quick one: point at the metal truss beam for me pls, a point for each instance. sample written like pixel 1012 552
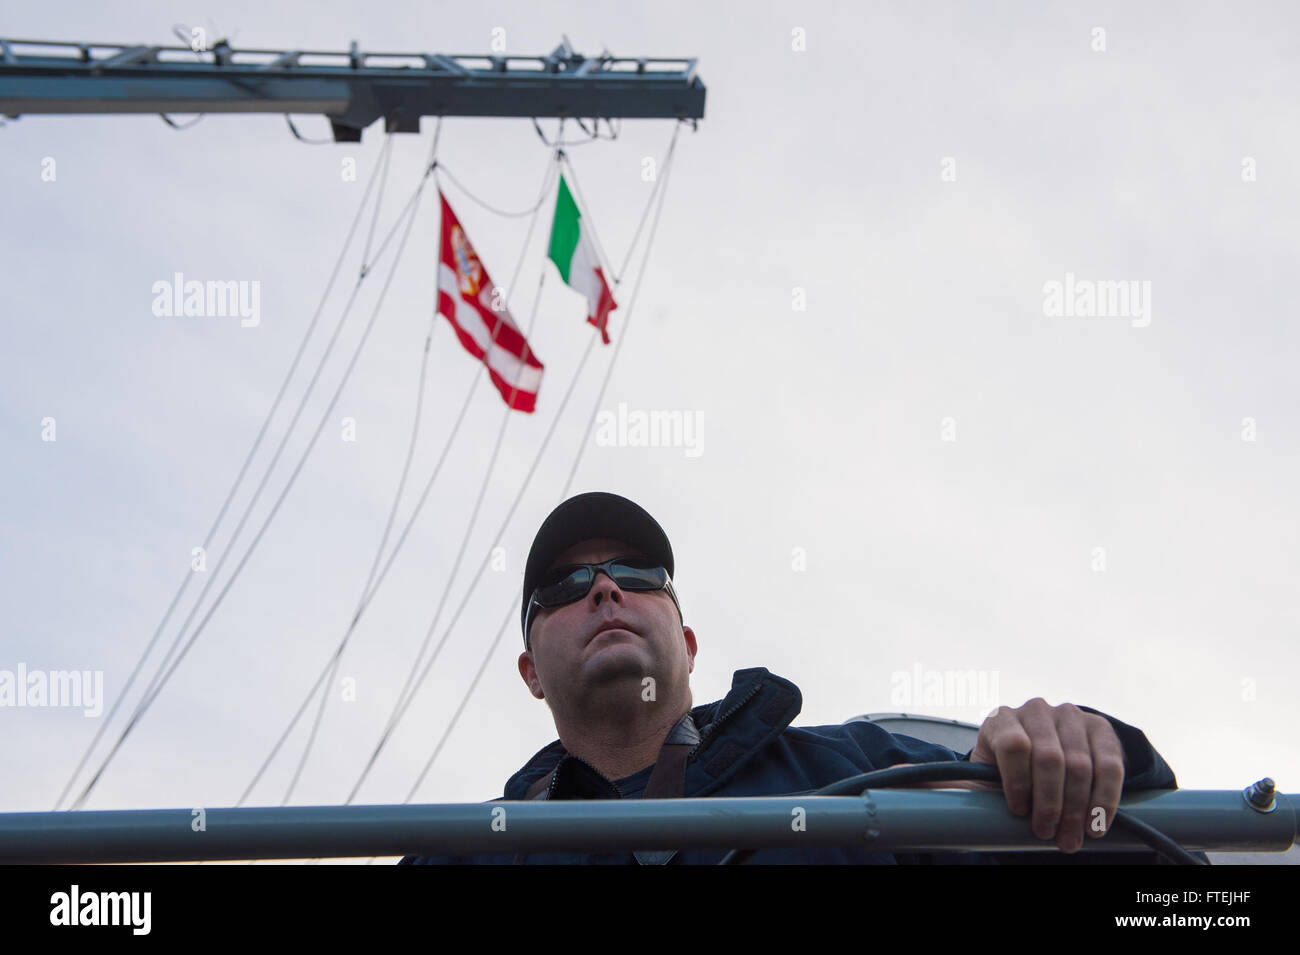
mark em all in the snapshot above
pixel 352 89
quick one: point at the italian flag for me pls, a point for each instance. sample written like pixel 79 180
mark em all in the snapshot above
pixel 574 254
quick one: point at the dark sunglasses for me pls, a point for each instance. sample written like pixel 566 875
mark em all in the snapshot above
pixel 564 585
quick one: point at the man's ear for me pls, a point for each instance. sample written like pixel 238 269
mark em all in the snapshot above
pixel 528 670
pixel 692 648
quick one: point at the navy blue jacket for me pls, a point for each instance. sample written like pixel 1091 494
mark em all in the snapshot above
pixel 748 748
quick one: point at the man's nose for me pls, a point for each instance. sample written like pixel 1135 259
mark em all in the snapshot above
pixel 604 587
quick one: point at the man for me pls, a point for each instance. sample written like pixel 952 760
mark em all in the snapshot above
pixel 607 648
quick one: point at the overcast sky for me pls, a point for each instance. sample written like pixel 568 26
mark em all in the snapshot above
pixel 923 469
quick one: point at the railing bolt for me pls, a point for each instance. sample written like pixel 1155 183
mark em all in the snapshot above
pixel 1260 795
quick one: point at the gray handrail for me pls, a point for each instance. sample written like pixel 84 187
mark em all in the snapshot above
pixel 880 820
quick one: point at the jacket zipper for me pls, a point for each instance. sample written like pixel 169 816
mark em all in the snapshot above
pixel 521 857
pixel 555 774
pixel 709 730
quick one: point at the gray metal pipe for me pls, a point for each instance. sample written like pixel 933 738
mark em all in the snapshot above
pixel 1203 819
pixel 882 820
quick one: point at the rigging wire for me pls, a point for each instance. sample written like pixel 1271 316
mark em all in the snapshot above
pixel 155 684
pixel 627 317
pixel 161 679
pixel 239 478
pixel 483 566
pixel 371 590
pixel 181 126
pixel 594 132
pixel 636 235
pixel 409 212
pixel 178 30
pixel 367 594
pixel 531 210
pixel 667 166
pixel 511 613
pixel 379 200
pixel 592 135
pixel 379 580
pixel 402 700
pixel 303 139
pixel 391 557
pixel 392 514
pixel 374 566
pixel 519 496
pixel 501 630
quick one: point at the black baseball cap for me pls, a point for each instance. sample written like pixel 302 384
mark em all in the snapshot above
pixel 587 516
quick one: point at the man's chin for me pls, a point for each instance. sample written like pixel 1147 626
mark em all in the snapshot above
pixel 618 661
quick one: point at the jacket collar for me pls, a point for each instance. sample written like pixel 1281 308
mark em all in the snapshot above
pixel 758 708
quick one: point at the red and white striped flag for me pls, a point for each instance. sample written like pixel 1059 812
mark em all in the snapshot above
pixel 466 297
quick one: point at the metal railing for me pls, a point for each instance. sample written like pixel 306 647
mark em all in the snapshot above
pixel 879 820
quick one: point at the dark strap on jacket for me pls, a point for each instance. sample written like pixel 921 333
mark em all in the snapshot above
pixel 667 781
pixel 668 778
pixel 535 791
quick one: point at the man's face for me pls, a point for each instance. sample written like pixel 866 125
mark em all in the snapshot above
pixel 579 660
